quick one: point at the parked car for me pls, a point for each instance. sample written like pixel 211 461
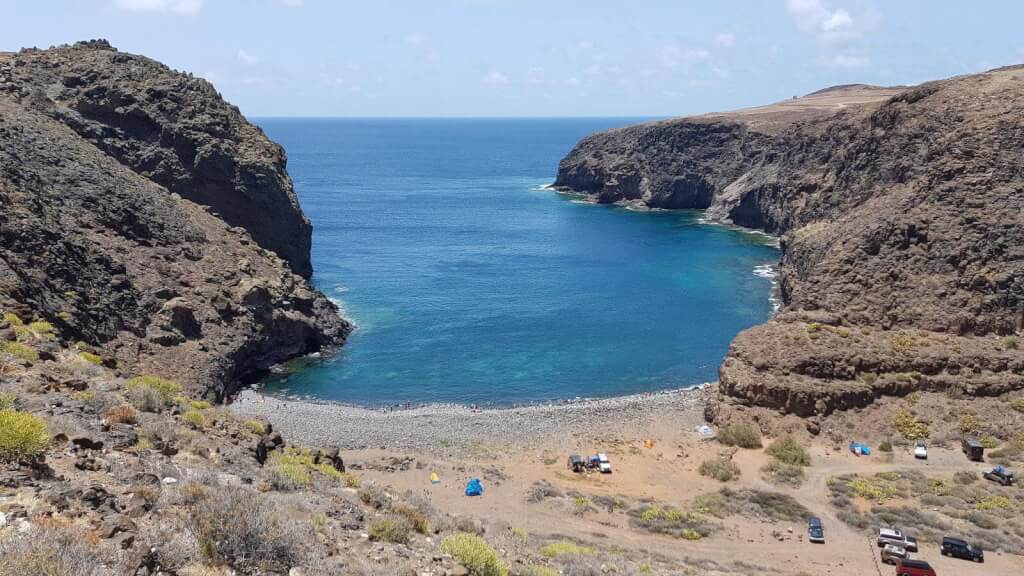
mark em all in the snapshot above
pixel 892 554
pixel 815 531
pixel 896 538
pixel 576 463
pixel 1000 475
pixel 958 548
pixel 920 450
pixel 603 464
pixel 973 449
pixel 914 568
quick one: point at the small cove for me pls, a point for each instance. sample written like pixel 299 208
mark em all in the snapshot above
pixel 470 283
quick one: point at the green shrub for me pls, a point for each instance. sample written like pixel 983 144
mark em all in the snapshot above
pixel 988 442
pixel 22 436
pixel 539 571
pixel 720 468
pixel 393 530
pixel 970 424
pixel 474 554
pixel 789 451
pixel 19 350
pixel 167 389
pixel 194 418
pixel 872 488
pixel 995 503
pixel 200 404
pixel 12 319
pixel 1017 404
pixel 1010 342
pixel 288 470
pixel 7 400
pixel 565 548
pixel 885 446
pixel 255 427
pixel 91 358
pixel 741 434
pixel 909 427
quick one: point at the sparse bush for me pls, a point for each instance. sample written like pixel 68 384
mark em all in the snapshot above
pixel 246 531
pixel 416 519
pixel 146 399
pixel 582 505
pixel 167 390
pixel 194 418
pixel 872 488
pixel 885 446
pixel 1017 404
pixel 12 319
pixel 51 549
pixel 542 490
pixel 741 434
pixel 668 520
pixel 1010 342
pixel 22 436
pixel 720 468
pixel 909 427
pixel 995 503
pixel 539 571
pixel 255 427
pixel 91 358
pixel 782 473
pixel 373 495
pixel 988 442
pixel 965 477
pixel 199 404
pixel 565 548
pixel 789 451
pixel 970 424
pixel 7 400
pixel 123 414
pixel 474 554
pixel 19 350
pixel 393 530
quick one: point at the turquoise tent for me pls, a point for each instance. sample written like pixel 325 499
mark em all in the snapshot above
pixel 474 488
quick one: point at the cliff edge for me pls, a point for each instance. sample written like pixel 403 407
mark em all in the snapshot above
pixel 143 215
pixel 901 215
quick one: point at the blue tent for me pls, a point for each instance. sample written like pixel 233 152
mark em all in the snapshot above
pixel 860 449
pixel 474 488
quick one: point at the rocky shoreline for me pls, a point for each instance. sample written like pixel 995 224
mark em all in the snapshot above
pixel 455 427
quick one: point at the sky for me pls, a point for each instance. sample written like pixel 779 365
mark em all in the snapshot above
pixel 532 57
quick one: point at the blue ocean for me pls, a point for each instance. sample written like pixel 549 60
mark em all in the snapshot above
pixel 471 283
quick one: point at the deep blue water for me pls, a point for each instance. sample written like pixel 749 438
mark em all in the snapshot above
pixel 471 284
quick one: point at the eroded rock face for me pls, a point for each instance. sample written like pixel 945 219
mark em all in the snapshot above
pixel 143 214
pixel 902 220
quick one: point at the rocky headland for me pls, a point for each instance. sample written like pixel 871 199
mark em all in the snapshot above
pixel 901 215
pixel 144 217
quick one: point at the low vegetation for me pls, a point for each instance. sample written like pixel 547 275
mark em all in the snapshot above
pixel 20 351
pixel 51 549
pixel 22 436
pixel 910 427
pixel 243 529
pixel 659 519
pixel 721 468
pixel 565 548
pixel 781 473
pixel 152 393
pixel 393 530
pixel 474 554
pixel 740 434
pixel 788 450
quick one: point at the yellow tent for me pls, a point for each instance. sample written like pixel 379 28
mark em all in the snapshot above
pixel 434 478
pixel 649 443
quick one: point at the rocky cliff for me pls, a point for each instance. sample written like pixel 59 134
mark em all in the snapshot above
pixel 901 215
pixel 144 215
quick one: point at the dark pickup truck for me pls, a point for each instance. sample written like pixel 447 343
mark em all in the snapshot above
pixel 1000 475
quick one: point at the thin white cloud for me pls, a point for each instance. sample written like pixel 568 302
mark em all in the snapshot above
pixel 837 21
pixel 494 79
pixel 725 40
pixel 674 56
pixel 826 24
pixel 247 58
pixel 188 7
pixel 848 61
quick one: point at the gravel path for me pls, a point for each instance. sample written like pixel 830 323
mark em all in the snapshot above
pixel 454 426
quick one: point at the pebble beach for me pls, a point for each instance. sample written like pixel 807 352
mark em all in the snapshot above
pixel 456 427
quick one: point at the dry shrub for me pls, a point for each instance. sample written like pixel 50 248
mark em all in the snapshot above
pixel 720 468
pixel 123 414
pixel 789 451
pixel 243 529
pixel 542 490
pixel 741 434
pixel 52 549
pixel 395 530
pixel 416 518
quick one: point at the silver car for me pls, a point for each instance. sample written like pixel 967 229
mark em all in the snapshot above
pixel 891 554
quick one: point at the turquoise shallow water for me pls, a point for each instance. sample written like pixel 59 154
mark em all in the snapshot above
pixel 470 283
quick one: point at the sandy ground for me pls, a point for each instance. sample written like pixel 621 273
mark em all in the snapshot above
pixel 666 473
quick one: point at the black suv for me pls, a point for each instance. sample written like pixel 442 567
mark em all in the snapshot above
pixel 958 548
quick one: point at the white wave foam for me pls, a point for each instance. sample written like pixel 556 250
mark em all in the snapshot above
pixel 340 289
pixel 770 272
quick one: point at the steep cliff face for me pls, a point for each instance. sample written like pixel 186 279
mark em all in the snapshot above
pixel 902 220
pixel 143 214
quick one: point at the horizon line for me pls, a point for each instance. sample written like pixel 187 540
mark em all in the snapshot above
pixel 401 117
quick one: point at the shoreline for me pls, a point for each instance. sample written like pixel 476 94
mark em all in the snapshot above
pixel 448 427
